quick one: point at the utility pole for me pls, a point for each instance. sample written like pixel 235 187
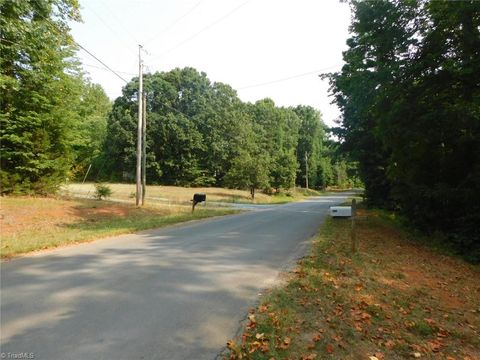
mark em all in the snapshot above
pixel 140 127
pixel 144 147
pixel 306 169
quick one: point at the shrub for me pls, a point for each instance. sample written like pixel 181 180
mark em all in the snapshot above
pixel 102 191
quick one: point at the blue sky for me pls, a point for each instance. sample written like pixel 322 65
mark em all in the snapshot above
pixel 252 45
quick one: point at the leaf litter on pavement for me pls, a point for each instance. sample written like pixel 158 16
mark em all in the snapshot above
pixel 394 299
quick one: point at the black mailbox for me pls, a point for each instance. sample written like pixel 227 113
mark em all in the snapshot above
pixel 197 198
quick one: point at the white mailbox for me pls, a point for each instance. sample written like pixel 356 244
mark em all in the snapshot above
pixel 340 211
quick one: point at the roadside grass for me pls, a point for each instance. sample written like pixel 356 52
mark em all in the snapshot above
pixel 394 299
pixel 29 224
pixel 183 195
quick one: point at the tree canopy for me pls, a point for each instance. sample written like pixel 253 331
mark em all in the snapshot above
pixel 410 99
pixel 46 126
pixel 201 133
pixel 56 125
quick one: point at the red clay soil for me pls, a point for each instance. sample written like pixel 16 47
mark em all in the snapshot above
pixel 25 213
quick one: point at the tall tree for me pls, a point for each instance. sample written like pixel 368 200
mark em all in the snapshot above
pixel 250 165
pixel 310 147
pixel 411 117
pixel 278 129
pixel 193 129
pixel 37 85
pixel 92 108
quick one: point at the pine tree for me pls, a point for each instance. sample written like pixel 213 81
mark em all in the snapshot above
pixel 37 86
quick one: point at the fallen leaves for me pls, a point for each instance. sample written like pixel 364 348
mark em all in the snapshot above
pixel 252 322
pixel 340 308
pixel 262 309
pixel 389 344
pixel 285 343
pixel 231 344
pixel 434 345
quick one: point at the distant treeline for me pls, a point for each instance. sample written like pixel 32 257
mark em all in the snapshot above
pixel 200 133
pixel 57 126
pixel 410 98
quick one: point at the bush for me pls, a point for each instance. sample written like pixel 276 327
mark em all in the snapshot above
pixel 102 191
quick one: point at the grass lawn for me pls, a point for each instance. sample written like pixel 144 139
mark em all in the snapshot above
pixel 394 299
pixel 28 224
pixel 182 195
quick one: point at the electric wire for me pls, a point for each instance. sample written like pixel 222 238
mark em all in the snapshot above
pixel 183 42
pixel 107 67
pixel 127 47
pixel 102 68
pixel 287 78
pixel 83 64
pixel 54 27
pixel 119 22
pixel 101 62
pixel 176 21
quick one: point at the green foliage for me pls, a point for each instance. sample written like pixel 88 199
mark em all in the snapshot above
pixel 248 172
pixel 199 133
pixel 56 125
pixel 311 141
pixel 102 191
pixel 89 132
pixel 192 129
pixel 39 84
pixel 410 100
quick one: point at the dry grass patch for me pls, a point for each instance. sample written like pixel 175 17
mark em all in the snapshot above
pixel 183 195
pixel 29 224
pixel 395 299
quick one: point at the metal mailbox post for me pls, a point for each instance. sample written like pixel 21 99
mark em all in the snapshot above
pixel 197 198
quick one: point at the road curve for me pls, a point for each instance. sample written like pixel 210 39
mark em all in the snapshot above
pixel 171 293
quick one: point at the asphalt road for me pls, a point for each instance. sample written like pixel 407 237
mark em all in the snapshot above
pixel 172 293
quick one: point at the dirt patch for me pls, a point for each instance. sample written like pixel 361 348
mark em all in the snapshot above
pixel 21 214
pixel 111 210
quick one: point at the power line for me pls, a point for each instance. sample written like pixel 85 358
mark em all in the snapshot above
pixel 286 78
pixel 119 22
pixel 54 26
pixel 102 68
pixel 101 62
pixel 183 42
pixel 106 68
pixel 176 21
pixel 127 47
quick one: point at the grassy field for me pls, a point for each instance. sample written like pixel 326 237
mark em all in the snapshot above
pixel 29 224
pixel 394 299
pixel 182 195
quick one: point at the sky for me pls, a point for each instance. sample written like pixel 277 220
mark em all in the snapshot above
pixel 262 48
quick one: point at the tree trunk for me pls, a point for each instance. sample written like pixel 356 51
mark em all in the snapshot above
pixel 252 192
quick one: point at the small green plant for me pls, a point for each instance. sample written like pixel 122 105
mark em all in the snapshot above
pixel 423 329
pixel 102 191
